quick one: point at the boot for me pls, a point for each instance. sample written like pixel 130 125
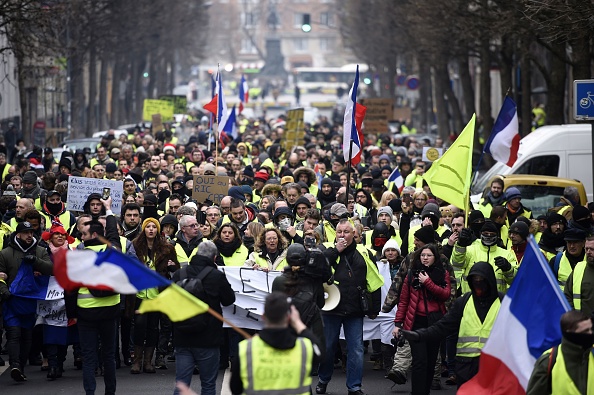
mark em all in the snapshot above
pixel 149 352
pixel 137 363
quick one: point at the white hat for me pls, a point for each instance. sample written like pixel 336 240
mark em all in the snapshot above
pixel 391 244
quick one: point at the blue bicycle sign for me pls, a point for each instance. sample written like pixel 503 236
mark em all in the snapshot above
pixel 583 102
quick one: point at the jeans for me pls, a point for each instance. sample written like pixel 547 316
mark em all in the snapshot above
pixel 18 345
pixel 90 332
pixel 207 361
pixel 353 333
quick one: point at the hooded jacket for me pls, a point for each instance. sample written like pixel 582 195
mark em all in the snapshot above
pixel 323 198
pixel 86 206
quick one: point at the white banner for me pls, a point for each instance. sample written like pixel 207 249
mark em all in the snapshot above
pixel 52 312
pixel 252 286
pixel 79 189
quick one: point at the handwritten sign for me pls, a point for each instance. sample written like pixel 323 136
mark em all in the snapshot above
pixel 213 188
pixel 163 107
pixel 294 132
pixel 180 103
pixel 79 189
pixel 52 312
pixel 379 112
pixel 54 290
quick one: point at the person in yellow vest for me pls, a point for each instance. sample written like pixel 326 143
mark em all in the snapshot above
pixel 499 218
pixel 471 317
pixel 187 239
pixel 518 235
pixel 22 206
pixel 309 177
pixel 354 270
pixel 54 210
pixel 415 178
pixel 270 251
pixel 494 197
pixel 514 206
pixel 539 116
pixel 564 263
pixel 153 250
pixel 285 343
pixel 232 252
pixel 580 283
pixel 22 249
pixel 326 229
pixel 552 240
pixel 569 367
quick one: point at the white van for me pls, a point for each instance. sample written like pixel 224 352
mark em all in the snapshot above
pixel 556 150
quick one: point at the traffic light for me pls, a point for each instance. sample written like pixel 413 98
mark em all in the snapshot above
pixel 306 25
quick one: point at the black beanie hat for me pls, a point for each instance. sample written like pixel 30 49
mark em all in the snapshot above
pixel 520 228
pixel 426 234
pixel 490 226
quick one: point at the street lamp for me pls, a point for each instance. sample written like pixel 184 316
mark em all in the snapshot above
pixel 306 24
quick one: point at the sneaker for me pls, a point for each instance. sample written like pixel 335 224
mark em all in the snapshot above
pixel 396 376
pixel 378 365
pixel 160 363
pixel 17 375
pixel 321 388
pixel 436 385
pixel 451 380
pixel 358 392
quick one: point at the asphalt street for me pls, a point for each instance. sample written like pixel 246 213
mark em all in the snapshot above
pixel 163 381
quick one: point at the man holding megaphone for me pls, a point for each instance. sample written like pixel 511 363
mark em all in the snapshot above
pixel 359 283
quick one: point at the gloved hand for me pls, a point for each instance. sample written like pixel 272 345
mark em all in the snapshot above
pixel 465 238
pixel 411 336
pixel 29 258
pixel 5 296
pixel 503 264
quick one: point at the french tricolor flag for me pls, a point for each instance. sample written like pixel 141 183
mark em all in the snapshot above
pixel 107 270
pixel 397 179
pixel 244 94
pixel 230 128
pixel 504 141
pixel 218 105
pixel 527 325
pixel 353 119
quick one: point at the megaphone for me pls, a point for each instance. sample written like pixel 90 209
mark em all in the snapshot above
pixel 331 297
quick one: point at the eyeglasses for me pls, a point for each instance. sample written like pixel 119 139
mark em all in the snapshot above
pixel 351 202
pixel 213 215
pixel 427 255
pixel 191 226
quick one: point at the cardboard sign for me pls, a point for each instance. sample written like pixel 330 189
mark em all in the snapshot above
pixel 79 189
pixel 157 123
pixel 180 103
pixel 162 107
pixel 213 188
pixel 431 154
pixel 379 112
pixel 294 132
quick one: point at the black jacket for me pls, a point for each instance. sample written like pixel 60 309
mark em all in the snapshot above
pixel 219 292
pixel 349 279
pixel 188 246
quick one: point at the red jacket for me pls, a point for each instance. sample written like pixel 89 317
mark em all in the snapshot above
pixel 412 301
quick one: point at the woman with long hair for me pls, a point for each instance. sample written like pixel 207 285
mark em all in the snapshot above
pixel 153 250
pixel 386 197
pixel 267 200
pixel 231 250
pixel 270 251
pixel 249 236
pixel 422 302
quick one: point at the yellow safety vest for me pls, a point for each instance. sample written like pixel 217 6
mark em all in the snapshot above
pixel 149 293
pixel 267 370
pixel 238 258
pixel 123 242
pixel 329 232
pixel 4 231
pixel 473 333
pixel 86 300
pixel 64 219
pixel 181 254
pixel 578 276
pixel 564 271
pixel 562 384
pixel 373 278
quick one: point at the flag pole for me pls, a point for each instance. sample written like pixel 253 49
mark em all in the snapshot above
pixel 215 131
pixel 348 185
pixel 222 319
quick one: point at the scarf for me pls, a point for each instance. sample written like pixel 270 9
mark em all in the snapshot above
pixel 227 249
pixel 24 247
pixel 55 249
pixel 495 201
pixel 32 193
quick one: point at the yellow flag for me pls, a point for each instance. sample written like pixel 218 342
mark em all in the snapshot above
pixel 176 302
pixel 449 176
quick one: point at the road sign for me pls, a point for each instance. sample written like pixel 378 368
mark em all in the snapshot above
pixel 412 82
pixel 583 100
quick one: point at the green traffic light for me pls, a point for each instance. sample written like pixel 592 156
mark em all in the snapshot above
pixel 306 28
pixel 306 23
pixel 367 80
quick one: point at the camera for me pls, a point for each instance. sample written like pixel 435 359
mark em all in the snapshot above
pixel 398 341
pixel 316 264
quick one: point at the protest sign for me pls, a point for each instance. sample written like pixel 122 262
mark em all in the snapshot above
pixel 213 188
pixel 431 154
pixel 157 123
pixel 294 132
pixel 180 103
pixel 162 107
pixel 79 189
pixel 379 112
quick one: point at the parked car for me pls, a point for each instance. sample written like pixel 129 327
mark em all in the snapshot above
pixel 539 193
pixel 89 142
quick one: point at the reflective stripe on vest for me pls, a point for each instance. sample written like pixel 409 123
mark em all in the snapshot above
pixel 564 271
pixel 562 384
pixel 473 333
pixel 266 370
pixel 578 276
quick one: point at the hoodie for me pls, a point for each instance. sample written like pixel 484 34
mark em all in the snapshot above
pixel 323 198
pixel 301 200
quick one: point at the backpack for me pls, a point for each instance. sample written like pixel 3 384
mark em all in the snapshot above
pixel 194 286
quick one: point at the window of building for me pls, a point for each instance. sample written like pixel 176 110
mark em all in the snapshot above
pixel 248 19
pixel 327 19
pixel 247 47
pixel 300 44
pixel 326 44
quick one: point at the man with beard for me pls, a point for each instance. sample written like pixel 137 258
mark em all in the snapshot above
pixel 493 198
pixel 22 249
pixel 326 194
pixel 552 241
pixel 239 214
pixel 564 262
pixel 55 210
pixel 30 186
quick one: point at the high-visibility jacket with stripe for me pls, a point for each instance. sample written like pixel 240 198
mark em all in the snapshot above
pixel 86 300
pixel 564 271
pixel 473 333
pixel 578 276
pixel 268 370
pixel 561 381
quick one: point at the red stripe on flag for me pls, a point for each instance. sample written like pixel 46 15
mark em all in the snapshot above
pixel 513 150
pixel 212 105
pixel 61 271
pixel 360 111
pixel 493 378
